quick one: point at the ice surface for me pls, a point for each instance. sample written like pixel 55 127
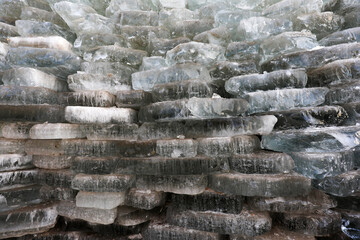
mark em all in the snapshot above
pixel 53 42
pixel 75 114
pixel 14 161
pixel 103 200
pixel 241 85
pixel 265 185
pixel 57 131
pixel 30 77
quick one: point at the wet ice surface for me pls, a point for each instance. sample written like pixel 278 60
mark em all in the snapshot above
pixel 179 119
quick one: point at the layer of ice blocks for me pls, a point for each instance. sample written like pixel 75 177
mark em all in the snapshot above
pixel 193 108
pixel 180 119
pixel 241 85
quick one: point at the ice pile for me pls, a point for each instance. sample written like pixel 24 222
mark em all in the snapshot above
pixel 179 119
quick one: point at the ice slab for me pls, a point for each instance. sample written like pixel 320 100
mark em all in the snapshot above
pixel 57 131
pixel 103 200
pixel 30 77
pixel 241 85
pixel 247 223
pixel 265 185
pixel 28 220
pixel 179 184
pixel 9 162
pixel 99 216
pixel 285 99
pixel 88 82
pixel 98 115
pixel 103 183
pixel 194 108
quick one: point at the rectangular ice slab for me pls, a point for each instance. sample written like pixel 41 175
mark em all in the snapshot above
pixel 52 162
pixel 112 131
pixel 180 184
pixel 133 99
pixel 16 95
pixel 209 201
pixel 114 53
pixel 12 146
pixel 57 193
pixel 230 126
pixel 145 199
pixel 11 178
pixel 311 117
pixel 109 68
pixel 99 115
pixel 146 80
pixel 88 98
pixel 247 223
pixel 102 200
pixel 321 165
pixel 263 185
pixel 55 178
pixel 193 108
pixel 98 216
pixel 161 130
pixel 329 139
pixel 339 37
pixel 287 42
pixel 28 220
pixel 163 231
pixel 159 166
pixel 285 99
pixel 18 130
pixel 53 42
pixel 179 90
pixel 343 185
pixel 195 52
pixel 57 131
pixel 30 77
pixel 57 62
pixel 18 197
pixel 226 146
pixel 87 82
pixel 319 223
pixel 103 183
pixel 14 161
pixel 30 28
pixel 44 147
pixel 343 93
pixel 261 162
pixel 241 85
pixel 340 71
pixel 312 58
pixel 315 200
pixel 109 148
pixel 35 113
